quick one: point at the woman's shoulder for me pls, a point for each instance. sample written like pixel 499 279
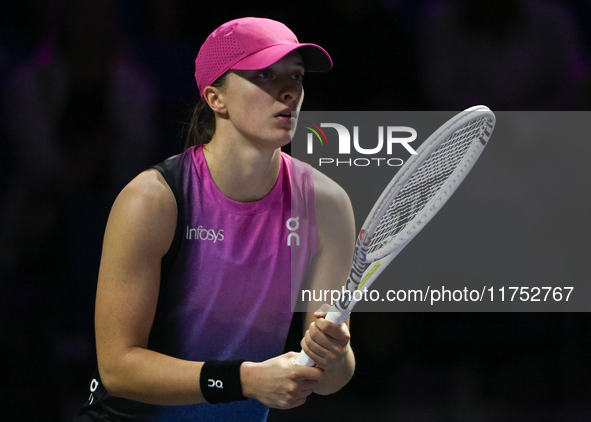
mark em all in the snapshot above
pixel 334 212
pixel 147 194
pixel 324 187
pixel 329 191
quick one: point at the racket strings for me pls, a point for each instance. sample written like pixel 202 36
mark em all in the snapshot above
pixel 423 185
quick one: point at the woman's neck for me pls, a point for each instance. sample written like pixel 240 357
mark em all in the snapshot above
pixel 242 172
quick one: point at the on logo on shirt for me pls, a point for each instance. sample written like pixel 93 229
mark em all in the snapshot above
pixel 293 224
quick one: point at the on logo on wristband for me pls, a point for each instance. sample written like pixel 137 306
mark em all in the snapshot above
pixel 215 383
pixel 220 381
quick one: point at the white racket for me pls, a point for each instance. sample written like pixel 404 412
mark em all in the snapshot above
pixel 413 197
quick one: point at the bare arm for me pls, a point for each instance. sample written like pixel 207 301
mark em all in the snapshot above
pixel 139 233
pixel 325 342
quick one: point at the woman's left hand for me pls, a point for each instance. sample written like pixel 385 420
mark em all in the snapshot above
pixel 325 342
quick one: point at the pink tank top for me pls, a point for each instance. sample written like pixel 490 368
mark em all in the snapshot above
pixel 228 292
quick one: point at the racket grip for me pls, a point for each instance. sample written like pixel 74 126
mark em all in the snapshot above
pixel 304 360
pixel 338 317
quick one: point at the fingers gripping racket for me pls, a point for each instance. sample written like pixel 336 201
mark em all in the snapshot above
pixel 413 197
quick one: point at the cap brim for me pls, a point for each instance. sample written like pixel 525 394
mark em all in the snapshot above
pixel 316 59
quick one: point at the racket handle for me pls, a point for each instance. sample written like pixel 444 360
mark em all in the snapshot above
pixel 338 317
pixel 304 360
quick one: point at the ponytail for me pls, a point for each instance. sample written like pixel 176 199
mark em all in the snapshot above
pixel 202 124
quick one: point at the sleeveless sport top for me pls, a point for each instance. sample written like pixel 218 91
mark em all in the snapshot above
pixel 226 281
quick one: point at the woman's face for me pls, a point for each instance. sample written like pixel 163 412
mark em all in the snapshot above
pixel 259 103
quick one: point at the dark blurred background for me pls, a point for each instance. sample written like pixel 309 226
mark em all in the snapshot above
pixel 93 91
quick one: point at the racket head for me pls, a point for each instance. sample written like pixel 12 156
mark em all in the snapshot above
pixel 424 184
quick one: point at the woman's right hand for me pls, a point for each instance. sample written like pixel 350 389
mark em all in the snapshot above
pixel 279 382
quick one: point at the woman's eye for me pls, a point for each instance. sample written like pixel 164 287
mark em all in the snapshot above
pixel 264 74
pixel 298 76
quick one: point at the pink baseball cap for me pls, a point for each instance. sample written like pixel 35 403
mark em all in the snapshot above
pixel 251 44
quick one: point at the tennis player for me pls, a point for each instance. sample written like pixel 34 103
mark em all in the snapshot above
pixel 194 293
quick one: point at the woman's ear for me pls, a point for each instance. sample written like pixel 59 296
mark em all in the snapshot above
pixel 215 98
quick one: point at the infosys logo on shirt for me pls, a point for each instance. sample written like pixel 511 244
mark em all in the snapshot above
pixel 201 233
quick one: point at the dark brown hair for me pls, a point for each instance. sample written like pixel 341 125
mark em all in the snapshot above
pixel 202 124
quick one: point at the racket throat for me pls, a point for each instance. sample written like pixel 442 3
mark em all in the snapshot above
pixel 347 296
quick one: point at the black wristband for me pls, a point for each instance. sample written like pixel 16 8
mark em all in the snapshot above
pixel 220 381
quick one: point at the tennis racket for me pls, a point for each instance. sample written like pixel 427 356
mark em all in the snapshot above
pixel 413 197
